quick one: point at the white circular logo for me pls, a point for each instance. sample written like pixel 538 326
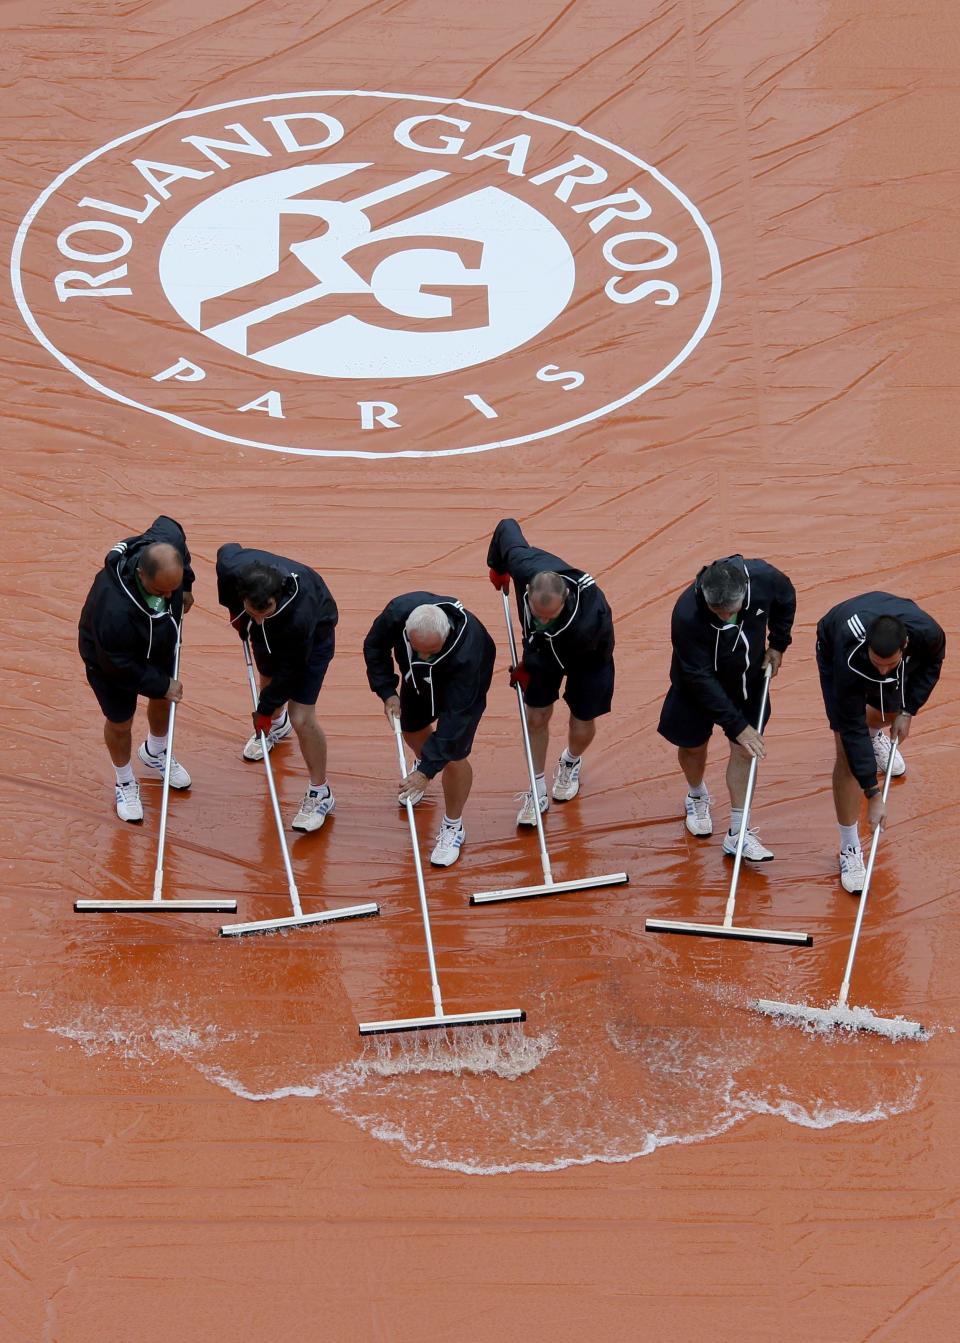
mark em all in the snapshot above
pixel 447 286
pixel 366 274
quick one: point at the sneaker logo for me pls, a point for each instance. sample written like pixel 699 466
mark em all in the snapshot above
pixel 285 270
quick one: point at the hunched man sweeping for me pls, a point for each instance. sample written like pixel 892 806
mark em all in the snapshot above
pixel 879 658
pixel 728 626
pixel 289 615
pixel 128 633
pixel 567 630
pixel 445 661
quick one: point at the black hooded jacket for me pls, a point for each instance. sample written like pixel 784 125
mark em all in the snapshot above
pixel 583 636
pixel 842 649
pixel 717 666
pixel 120 637
pixel 454 684
pixel 306 615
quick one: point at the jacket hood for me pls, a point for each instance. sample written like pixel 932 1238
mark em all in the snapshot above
pixel 860 664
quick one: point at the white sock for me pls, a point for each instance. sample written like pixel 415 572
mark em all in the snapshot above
pixel 699 791
pixel 156 745
pixel 567 759
pixel 279 719
pixel 736 820
pixel 124 773
pixel 319 787
pixel 849 836
pixel 453 824
pixel 541 785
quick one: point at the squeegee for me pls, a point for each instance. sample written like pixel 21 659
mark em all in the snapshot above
pixel 440 1019
pixel 297 919
pixel 841 1014
pixel 727 929
pixel 548 886
pixel 156 904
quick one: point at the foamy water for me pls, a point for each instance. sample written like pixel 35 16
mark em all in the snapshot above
pixel 496 1100
pixel 825 1020
pixel 128 1034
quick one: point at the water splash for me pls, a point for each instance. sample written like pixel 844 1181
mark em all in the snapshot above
pixel 494 1100
pixel 132 1037
pixel 501 1049
pixel 825 1020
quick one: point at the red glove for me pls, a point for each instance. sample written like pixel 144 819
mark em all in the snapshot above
pixel 519 676
pixel 500 581
pixel 262 722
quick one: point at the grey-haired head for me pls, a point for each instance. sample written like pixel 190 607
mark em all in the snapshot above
pixel 428 628
pixel 724 586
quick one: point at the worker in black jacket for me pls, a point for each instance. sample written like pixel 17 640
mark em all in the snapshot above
pixel 128 634
pixel 728 626
pixel 286 611
pixel 567 632
pixel 879 657
pixel 445 659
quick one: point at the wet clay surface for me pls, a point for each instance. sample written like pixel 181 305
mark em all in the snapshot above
pixel 196 1143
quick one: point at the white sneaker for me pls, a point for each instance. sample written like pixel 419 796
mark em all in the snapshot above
pixel 699 821
pixel 852 870
pixel 129 806
pixel 314 809
pixel 881 750
pixel 254 751
pixel 566 781
pixel 527 815
pixel 418 795
pixel 449 842
pixel 179 778
pixel 753 850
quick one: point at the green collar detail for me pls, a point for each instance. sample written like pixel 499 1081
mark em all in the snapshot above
pixel 155 604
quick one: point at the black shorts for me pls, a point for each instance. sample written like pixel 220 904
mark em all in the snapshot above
pixel 117 702
pixel 870 696
pixel 684 723
pixel 306 688
pixel 415 712
pixel 588 692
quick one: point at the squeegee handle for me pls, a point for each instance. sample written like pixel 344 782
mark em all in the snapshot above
pixel 867 878
pixel 272 788
pixel 167 766
pixel 418 867
pixel 747 800
pixel 510 635
pixel 527 748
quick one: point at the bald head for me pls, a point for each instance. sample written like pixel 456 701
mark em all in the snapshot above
pixel 547 593
pixel 160 569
